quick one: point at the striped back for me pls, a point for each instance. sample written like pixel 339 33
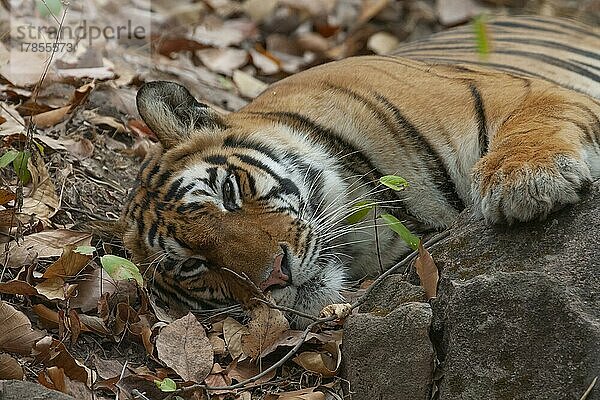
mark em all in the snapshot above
pixel 558 50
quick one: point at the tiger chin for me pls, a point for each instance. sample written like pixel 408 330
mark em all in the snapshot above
pixel 265 192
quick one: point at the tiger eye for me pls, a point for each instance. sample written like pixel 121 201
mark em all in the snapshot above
pixel 229 194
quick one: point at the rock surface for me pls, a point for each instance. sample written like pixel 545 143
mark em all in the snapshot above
pixel 367 358
pixel 19 390
pixel 517 314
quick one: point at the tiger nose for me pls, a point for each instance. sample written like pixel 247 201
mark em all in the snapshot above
pixel 280 275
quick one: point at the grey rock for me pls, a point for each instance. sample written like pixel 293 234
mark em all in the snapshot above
pixel 518 311
pixel 389 357
pixel 392 292
pixel 19 390
pixel 517 316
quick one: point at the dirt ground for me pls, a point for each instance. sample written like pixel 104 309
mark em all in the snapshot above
pixel 84 136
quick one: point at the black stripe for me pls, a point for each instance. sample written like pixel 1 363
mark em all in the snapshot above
pixel 436 166
pixel 150 174
pixel 173 189
pixel 194 207
pixel 511 24
pixel 544 44
pixel 481 120
pixel 239 143
pixel 565 24
pixel 258 165
pixel 216 159
pixel 212 178
pixel 356 162
pixel 152 232
pixel 500 67
pixel 569 66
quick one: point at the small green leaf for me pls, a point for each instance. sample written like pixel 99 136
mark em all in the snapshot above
pixel 39 147
pixel 48 7
pixel 400 229
pixel 393 182
pixel 121 269
pixel 362 210
pixel 166 385
pixel 8 157
pixel 85 250
pixel 20 166
pixel 481 36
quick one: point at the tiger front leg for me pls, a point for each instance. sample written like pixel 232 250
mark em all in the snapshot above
pixel 540 159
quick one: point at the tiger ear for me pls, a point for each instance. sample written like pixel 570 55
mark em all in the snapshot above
pixel 173 113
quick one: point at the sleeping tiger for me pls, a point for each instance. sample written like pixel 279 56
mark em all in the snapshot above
pixel 265 192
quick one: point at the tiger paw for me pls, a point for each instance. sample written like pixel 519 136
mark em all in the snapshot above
pixel 510 191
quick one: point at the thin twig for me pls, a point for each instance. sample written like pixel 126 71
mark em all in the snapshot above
pixel 589 389
pixel 286 309
pixel 381 269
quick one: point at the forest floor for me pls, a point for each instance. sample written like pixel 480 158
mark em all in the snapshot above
pixel 71 145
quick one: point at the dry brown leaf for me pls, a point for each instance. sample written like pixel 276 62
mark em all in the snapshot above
pixel 217 344
pixel 81 94
pixel 17 287
pixel 6 196
pixel 81 148
pixel 14 123
pixel 184 347
pixel 454 12
pixel 100 73
pixel 144 331
pixel 259 9
pixel 266 327
pixel 30 67
pixel 45 244
pixel 50 118
pixel 47 316
pixel 9 219
pixel 313 7
pixel 382 43
pixel 230 32
pixel 52 352
pixel 341 310
pixel 68 265
pixel 311 41
pixel 304 394
pixel 16 335
pixel 53 288
pixel 320 363
pixel 10 368
pixel 89 323
pixel 107 368
pixel 427 271
pixel 90 289
pixel 243 370
pixel 248 85
pixel 266 65
pixel 223 60
pixel 370 9
pixel 54 379
pixel 232 333
pixel 42 200
pixel 96 119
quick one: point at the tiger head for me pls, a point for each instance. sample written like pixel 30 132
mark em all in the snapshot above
pixel 223 198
